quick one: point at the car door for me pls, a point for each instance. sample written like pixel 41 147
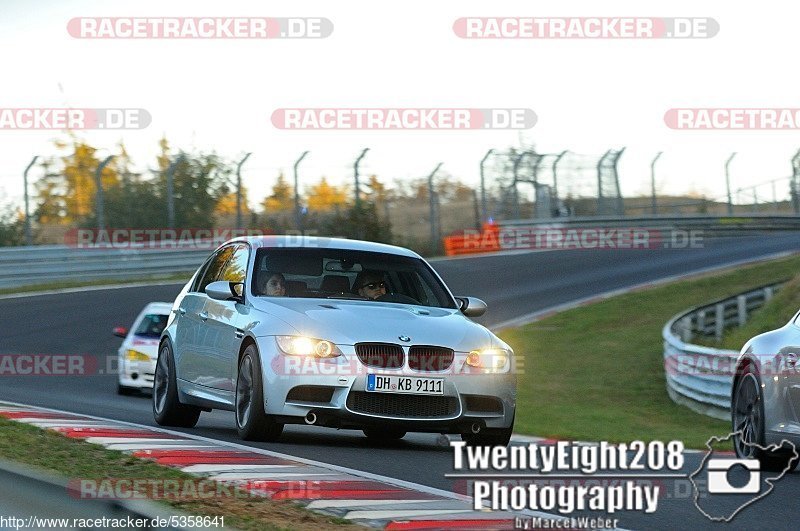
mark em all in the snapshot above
pixel 223 326
pixel 191 343
pixel 789 366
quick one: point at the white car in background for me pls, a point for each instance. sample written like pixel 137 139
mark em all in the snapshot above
pixel 138 353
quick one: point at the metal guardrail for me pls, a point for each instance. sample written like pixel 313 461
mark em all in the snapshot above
pixel 499 236
pixel 701 377
pixel 712 226
pixel 27 266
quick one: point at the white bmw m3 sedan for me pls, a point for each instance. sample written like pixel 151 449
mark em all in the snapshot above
pixel 331 332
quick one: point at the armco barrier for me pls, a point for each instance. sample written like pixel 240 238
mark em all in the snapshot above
pixel 489 238
pixel 27 266
pixel 700 377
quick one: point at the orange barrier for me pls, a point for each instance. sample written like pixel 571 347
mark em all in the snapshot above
pixel 472 241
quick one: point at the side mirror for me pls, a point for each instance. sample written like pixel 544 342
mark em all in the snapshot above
pixel 226 291
pixel 471 306
pixel 120 331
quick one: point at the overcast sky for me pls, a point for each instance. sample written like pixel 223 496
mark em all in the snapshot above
pixel 589 95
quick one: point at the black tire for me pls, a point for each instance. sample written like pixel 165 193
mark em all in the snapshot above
pixel 747 422
pixel 124 390
pixel 252 423
pixel 167 409
pixel 383 435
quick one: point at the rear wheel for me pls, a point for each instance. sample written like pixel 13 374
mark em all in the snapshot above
pixel 747 416
pixel 252 423
pixel 383 435
pixel 167 408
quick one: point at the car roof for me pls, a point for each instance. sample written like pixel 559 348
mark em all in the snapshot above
pixel 162 308
pixel 322 242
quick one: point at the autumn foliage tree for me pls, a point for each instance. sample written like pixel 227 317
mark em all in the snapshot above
pixel 12 226
pixel 67 192
pixel 282 197
pixel 323 196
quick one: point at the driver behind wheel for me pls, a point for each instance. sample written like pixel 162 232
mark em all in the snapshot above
pixel 370 284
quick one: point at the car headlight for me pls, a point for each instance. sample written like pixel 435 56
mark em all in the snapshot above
pixel 490 359
pixel 306 346
pixel 135 355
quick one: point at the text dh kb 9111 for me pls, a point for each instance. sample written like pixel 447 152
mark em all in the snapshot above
pixel 331 332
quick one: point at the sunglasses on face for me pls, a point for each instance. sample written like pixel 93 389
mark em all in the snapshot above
pixel 374 285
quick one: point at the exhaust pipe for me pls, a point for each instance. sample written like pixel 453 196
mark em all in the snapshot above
pixel 476 427
pixel 311 418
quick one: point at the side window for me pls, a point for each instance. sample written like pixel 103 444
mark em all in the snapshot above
pixel 236 270
pixel 200 274
pixel 215 267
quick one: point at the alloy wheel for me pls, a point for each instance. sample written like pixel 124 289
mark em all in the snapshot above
pixel 244 392
pixel 161 380
pixel 747 416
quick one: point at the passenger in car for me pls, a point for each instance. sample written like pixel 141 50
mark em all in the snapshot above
pixel 275 286
pixel 369 283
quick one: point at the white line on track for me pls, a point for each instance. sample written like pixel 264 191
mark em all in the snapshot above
pixel 335 468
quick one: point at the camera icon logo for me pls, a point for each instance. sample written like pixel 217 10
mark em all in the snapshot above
pixel 718 482
pixel 728 485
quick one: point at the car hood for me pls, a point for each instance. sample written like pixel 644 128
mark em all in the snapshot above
pixel 350 322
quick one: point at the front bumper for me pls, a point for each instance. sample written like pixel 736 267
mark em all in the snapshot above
pixel 138 374
pixel 340 398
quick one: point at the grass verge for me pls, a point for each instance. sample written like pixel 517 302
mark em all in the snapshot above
pixel 596 372
pixel 77 459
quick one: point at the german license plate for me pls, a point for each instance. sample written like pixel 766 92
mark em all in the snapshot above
pixel 405 384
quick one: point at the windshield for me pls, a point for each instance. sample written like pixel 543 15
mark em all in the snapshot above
pixel 343 274
pixel 151 326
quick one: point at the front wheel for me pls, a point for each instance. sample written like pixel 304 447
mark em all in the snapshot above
pixel 747 417
pixel 252 423
pixel 167 408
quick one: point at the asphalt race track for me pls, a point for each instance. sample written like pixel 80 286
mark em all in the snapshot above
pixel 512 284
